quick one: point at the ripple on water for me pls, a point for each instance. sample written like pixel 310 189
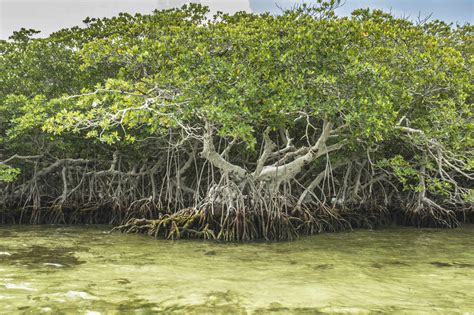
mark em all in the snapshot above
pixel 21 286
pixel 79 295
pixel 452 264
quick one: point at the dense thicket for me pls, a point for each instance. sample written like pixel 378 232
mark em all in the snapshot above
pixel 238 127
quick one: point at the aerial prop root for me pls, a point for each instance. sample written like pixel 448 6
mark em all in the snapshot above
pixel 236 224
pixel 189 222
pixel 427 213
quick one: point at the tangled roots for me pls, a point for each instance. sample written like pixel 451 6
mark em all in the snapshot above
pixel 236 224
pixel 430 214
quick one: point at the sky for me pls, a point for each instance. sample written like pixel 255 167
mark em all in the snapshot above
pixel 51 15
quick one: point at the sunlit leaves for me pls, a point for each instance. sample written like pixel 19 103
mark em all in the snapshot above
pixel 7 173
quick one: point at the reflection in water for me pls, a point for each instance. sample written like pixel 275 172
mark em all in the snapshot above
pixel 36 256
pixel 66 269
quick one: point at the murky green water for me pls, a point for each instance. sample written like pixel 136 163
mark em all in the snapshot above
pixel 85 270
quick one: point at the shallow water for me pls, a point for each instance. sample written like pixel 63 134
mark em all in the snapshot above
pixel 86 270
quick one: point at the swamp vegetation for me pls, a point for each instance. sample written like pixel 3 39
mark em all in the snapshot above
pixel 179 124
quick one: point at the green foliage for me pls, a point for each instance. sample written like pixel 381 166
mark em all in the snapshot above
pixel 249 70
pixel 8 174
pixel 408 176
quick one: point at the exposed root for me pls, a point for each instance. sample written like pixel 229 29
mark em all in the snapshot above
pixel 427 213
pixel 237 224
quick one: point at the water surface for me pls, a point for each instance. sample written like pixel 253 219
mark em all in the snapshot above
pixel 85 270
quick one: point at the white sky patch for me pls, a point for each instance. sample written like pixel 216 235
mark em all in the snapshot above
pixel 51 15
